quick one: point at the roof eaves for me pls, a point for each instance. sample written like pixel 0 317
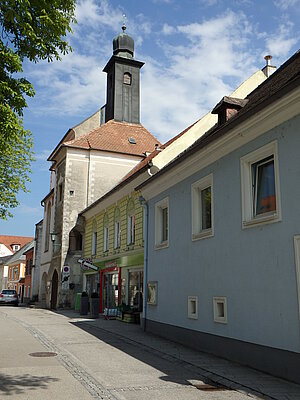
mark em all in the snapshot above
pixel 46 197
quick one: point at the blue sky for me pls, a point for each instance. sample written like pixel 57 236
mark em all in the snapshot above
pixel 195 52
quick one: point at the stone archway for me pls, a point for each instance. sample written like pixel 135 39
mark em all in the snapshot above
pixel 54 289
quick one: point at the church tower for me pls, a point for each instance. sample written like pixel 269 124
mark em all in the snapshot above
pixel 123 81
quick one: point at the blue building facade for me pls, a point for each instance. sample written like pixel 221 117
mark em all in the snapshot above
pixel 224 233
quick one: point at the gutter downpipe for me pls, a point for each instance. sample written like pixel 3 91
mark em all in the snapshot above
pixel 145 266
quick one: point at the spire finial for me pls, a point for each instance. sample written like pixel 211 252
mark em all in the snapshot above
pixel 124 25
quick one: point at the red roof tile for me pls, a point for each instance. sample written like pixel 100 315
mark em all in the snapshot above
pixel 114 136
pixel 8 241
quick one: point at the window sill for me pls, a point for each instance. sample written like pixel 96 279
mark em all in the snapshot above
pixel 202 235
pixel 261 220
pixel 162 245
pixel 193 316
pixel 220 321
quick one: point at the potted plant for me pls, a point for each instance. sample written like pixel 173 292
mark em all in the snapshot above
pixel 84 303
pixel 94 305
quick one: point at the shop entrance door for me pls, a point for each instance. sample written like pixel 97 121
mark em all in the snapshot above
pixel 110 290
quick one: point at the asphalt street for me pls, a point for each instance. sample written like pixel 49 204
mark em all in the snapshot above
pixel 58 355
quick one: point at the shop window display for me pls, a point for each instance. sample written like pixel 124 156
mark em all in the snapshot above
pixel 135 290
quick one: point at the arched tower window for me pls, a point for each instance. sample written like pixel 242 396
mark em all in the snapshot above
pixel 127 78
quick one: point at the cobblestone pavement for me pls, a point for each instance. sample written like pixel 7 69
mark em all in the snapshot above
pixel 114 360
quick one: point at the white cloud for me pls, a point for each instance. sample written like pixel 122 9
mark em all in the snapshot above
pixel 28 210
pixel 43 155
pixel 168 29
pixel 285 4
pixel 91 11
pixel 281 42
pixel 211 57
pixel 162 1
pixel 215 58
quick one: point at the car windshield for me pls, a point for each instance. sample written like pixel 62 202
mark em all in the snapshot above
pixel 8 292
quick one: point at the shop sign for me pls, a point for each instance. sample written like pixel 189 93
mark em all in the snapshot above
pixel 86 264
pixel 111 264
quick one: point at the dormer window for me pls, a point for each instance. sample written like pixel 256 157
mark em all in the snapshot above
pixel 16 247
pixel 127 78
pixel 227 108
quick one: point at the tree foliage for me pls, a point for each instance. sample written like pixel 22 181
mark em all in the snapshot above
pixel 34 30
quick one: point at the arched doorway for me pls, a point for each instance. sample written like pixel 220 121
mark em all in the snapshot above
pixel 54 290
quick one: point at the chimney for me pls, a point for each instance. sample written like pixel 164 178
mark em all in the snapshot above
pixel 268 69
pixel 227 108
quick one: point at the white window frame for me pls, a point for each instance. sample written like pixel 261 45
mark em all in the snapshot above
pixel 94 243
pixel 197 231
pixel 117 243
pixel 193 311
pixel 248 217
pixel 217 317
pixel 130 229
pixel 130 222
pixel 159 207
pixel 94 238
pixel 105 238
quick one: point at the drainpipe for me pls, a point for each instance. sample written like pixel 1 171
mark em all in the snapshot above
pixel 144 203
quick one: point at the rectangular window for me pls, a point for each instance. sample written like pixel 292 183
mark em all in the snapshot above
pixel 162 224
pixel 131 229
pixel 202 208
pixel 193 307
pixel 165 220
pixel 117 234
pixel 106 239
pixel 206 208
pixel 220 309
pixel 260 186
pixel 94 244
pixel 263 177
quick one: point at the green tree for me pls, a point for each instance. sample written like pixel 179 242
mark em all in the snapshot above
pixel 34 30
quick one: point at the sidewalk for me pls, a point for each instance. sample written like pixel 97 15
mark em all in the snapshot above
pixel 213 369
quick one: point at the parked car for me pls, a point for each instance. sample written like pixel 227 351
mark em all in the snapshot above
pixel 9 296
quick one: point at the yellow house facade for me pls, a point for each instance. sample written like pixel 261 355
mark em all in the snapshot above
pixel 114 247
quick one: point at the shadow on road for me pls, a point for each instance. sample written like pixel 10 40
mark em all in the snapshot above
pixel 18 384
pixel 174 370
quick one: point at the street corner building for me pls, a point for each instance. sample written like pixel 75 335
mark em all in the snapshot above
pixel 91 158
pixel 223 253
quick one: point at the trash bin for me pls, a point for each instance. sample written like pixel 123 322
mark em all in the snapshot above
pixel 94 305
pixel 84 303
pixel 77 302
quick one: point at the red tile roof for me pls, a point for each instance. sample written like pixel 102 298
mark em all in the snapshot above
pixel 8 241
pixel 114 136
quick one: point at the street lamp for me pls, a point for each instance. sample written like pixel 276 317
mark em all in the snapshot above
pixel 53 237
